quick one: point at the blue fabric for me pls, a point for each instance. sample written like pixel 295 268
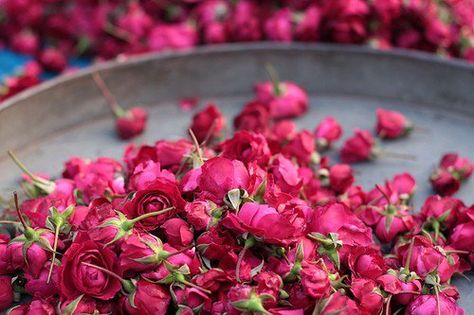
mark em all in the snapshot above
pixel 11 63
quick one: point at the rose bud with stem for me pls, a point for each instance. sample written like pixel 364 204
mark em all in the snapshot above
pixel 129 123
pixel 177 275
pixel 33 241
pixel 59 223
pixel 44 185
pixel 124 226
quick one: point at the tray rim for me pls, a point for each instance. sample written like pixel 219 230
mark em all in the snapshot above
pixel 396 53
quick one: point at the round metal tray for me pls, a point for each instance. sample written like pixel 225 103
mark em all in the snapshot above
pixel 67 116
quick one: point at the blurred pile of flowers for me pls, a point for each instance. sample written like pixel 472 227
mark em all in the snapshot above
pixel 55 31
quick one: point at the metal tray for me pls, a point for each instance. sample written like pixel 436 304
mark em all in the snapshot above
pixel 67 116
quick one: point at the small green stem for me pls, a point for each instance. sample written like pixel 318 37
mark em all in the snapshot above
pixel 26 170
pixel 110 273
pixel 248 243
pixel 150 214
pixel 410 251
pixel 9 222
pixel 273 74
pixel 190 284
pixel 55 246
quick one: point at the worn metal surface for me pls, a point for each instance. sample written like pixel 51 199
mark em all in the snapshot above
pixel 67 116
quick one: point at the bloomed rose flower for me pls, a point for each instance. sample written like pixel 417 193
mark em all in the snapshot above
pixel 368 294
pixel 170 153
pixel 146 173
pixel 77 278
pixel 247 147
pixel 208 123
pixel 303 148
pixel 178 233
pixel 244 23
pixel 285 175
pixel 160 195
pixel 337 302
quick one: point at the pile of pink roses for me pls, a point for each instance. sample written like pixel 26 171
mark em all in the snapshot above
pixel 52 31
pixel 260 222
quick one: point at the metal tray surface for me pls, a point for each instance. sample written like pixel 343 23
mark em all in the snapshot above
pixel 68 117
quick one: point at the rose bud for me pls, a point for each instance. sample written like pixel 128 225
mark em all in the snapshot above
pixel 462 237
pixel 392 124
pixel 368 294
pixel 247 147
pixel 193 298
pixel 5 264
pixel 170 153
pixel 307 25
pixel 253 117
pixel 84 305
pixel 178 233
pixel 198 213
pixel 366 262
pixel 315 280
pixel 340 178
pixel 303 148
pixel 428 304
pixel 395 221
pixel 45 285
pixel 278 27
pixel 219 176
pixel 146 173
pixel 129 123
pixel 25 42
pixel 419 255
pixel 76 277
pixel 177 36
pixel 446 179
pixel 285 175
pixel 359 148
pixel 32 249
pixel 208 124
pixel 37 306
pixel 6 292
pixel 440 213
pixel 281 133
pixel 153 201
pixel 244 24
pixel 244 298
pixel 444 182
pixel 135 21
pixel 270 283
pixel 328 131
pixel 283 99
pixel 148 298
pixel 52 60
pixel 337 302
pixel 262 221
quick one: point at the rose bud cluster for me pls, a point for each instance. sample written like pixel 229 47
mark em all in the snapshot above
pixel 53 32
pixel 448 176
pixel 259 221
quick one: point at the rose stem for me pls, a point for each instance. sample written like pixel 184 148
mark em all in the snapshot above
pixel 196 143
pixel 273 75
pixel 109 97
pixel 27 171
pixel 55 247
pixel 410 251
pixel 150 214
pixel 399 156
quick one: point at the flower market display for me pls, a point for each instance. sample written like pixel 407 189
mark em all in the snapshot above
pixel 260 221
pixel 54 32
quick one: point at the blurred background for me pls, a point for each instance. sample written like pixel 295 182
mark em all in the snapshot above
pixel 40 39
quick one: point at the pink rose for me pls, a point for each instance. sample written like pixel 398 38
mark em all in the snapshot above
pixel 392 124
pixel 208 123
pixel 358 148
pixel 247 147
pixel 219 175
pixel 132 123
pixel 428 305
pixel 253 117
pixel 340 177
pixel 366 262
pixel 328 131
pixel 6 292
pixel 315 280
pixel 278 27
pixel 178 233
